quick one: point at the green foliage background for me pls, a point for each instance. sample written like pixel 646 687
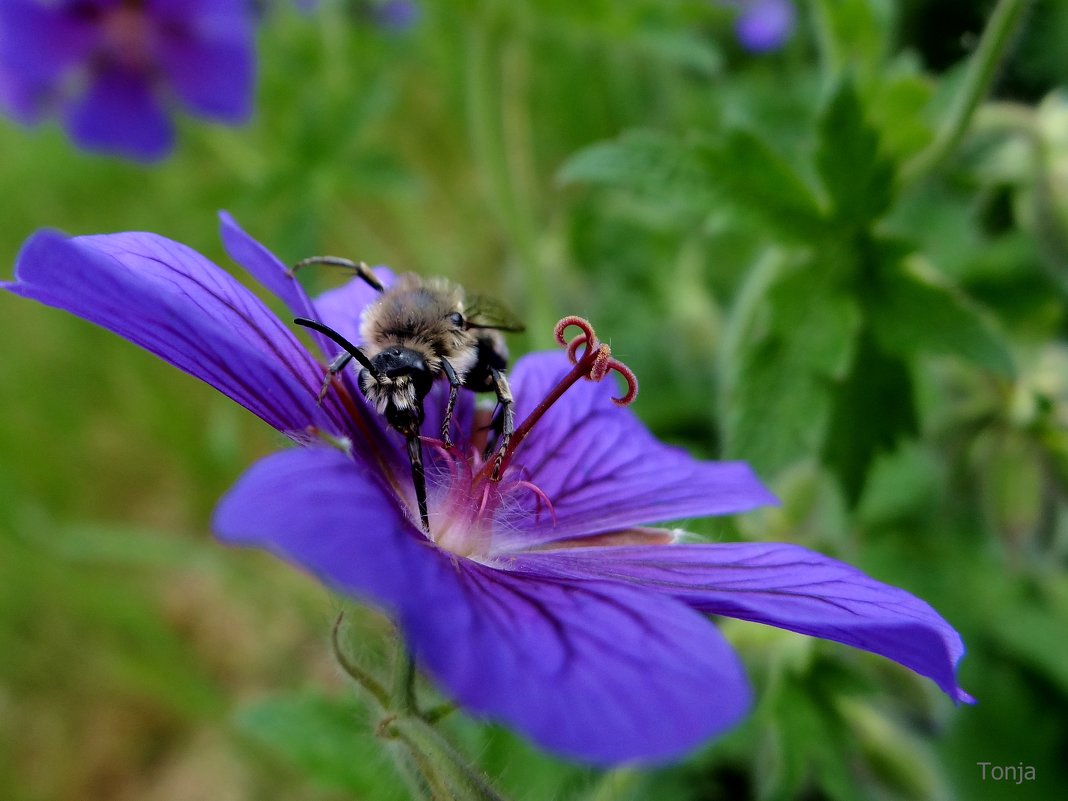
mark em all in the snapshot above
pixel 767 241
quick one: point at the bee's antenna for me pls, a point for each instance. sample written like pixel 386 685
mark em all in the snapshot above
pixel 359 267
pixel 349 348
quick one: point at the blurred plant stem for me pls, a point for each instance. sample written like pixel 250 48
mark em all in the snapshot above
pixel 616 785
pixel 831 58
pixel 1050 214
pixel 369 683
pixel 432 768
pixel 978 78
pixel 497 118
pixel 403 697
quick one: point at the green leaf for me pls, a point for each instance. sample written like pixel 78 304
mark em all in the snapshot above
pixel 873 410
pixel 737 172
pixel 746 173
pixel 854 33
pixel 683 48
pixel 781 397
pixel 814 312
pixel 805 740
pixel 1034 633
pixel 648 162
pixel 896 757
pixel 913 312
pixel 1011 470
pixel 896 109
pixel 329 740
pixel 859 181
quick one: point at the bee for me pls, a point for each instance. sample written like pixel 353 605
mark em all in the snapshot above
pixel 417 331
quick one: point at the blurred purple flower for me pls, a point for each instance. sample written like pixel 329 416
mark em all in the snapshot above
pixel 110 68
pixel 542 600
pixel 396 15
pixel 763 25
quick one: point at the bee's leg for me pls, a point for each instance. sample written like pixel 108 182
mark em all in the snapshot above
pixel 360 268
pixel 335 367
pixel 504 398
pixel 415 456
pixel 454 390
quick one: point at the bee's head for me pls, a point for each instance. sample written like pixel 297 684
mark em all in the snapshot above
pixel 397 362
pixel 399 382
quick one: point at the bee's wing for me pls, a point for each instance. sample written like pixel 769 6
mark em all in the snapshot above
pixel 484 312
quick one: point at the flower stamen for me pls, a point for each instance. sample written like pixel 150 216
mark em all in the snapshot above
pixel 594 364
pixel 602 355
pixel 539 494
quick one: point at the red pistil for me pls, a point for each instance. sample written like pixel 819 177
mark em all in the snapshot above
pixel 127 35
pixel 594 364
pixel 601 353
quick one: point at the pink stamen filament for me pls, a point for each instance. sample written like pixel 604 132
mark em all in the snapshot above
pixel 448 454
pixel 595 364
pixel 541 496
pixel 485 500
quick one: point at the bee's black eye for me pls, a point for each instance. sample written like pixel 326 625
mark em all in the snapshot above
pixel 456 319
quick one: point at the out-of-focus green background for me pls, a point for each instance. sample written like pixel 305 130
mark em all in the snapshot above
pixel 759 237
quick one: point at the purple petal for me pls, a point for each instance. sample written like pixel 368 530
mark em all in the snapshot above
pixel 213 72
pixel 784 586
pixel 199 11
pixel 269 271
pixel 591 670
pixel 173 302
pixel 40 43
pixel 341 309
pixel 121 114
pixel 397 15
pixel 765 25
pixel 603 470
pixel 25 101
pixel 319 509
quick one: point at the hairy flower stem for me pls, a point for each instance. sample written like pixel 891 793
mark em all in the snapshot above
pixel 369 683
pixel 403 699
pixel 997 36
pixel 432 768
pixel 446 774
pixel 616 785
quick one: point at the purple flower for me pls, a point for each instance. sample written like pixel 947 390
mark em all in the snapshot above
pixel 542 600
pixel 763 25
pixel 110 68
pixel 397 15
